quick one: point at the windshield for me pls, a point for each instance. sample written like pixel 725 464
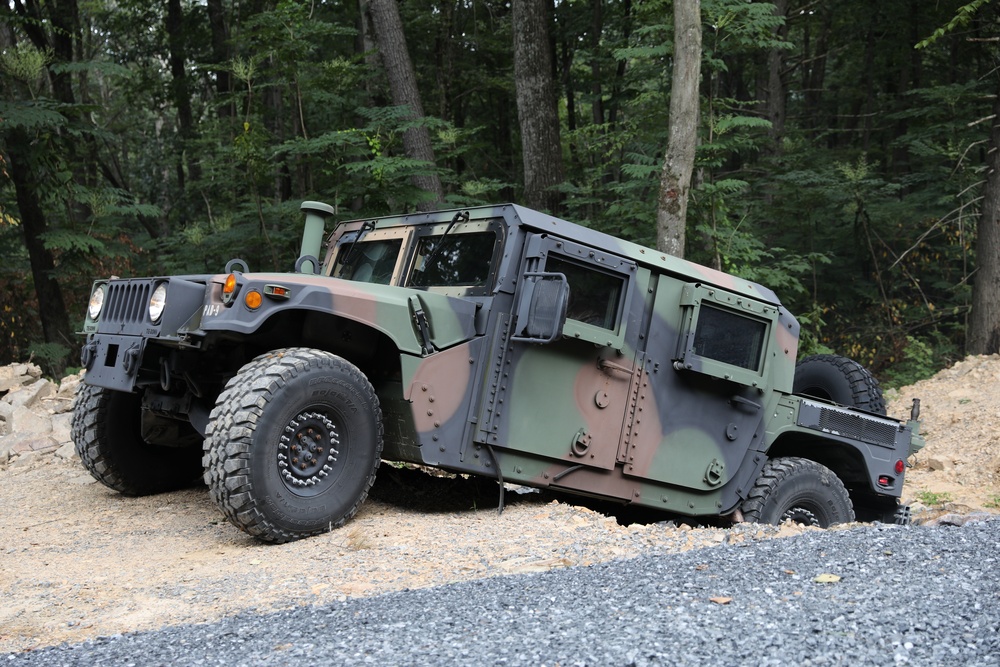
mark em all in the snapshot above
pixel 369 261
pixel 455 260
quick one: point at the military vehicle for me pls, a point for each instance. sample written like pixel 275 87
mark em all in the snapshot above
pixel 494 341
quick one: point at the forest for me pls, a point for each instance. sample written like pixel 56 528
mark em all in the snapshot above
pixel 845 149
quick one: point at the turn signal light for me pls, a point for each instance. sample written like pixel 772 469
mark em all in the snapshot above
pixel 229 289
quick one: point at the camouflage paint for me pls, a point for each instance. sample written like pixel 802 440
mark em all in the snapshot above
pixel 639 412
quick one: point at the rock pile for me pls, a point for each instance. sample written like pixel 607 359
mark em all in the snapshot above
pixel 35 415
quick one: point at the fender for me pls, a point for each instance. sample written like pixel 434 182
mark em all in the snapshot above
pixel 418 322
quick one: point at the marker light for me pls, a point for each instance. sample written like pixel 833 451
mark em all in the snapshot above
pixel 900 466
pixel 253 299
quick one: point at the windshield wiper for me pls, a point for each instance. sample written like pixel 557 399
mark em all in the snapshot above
pixel 461 216
pixel 365 228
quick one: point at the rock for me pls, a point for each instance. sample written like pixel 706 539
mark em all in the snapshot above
pixel 22 444
pixel 28 421
pixel 17 375
pixel 29 395
pixel 940 463
pixel 955 519
pixel 29 459
pixel 69 386
pixel 67 452
pixel 62 427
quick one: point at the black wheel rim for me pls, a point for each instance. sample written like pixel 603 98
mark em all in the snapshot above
pixel 799 515
pixel 308 452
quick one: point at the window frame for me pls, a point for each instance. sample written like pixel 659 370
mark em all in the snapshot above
pixel 471 227
pixel 695 299
pixel 346 241
pixel 543 247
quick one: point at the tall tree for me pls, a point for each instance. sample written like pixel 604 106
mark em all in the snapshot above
pixel 984 325
pixel 541 149
pixel 678 164
pixel 403 86
pixel 181 94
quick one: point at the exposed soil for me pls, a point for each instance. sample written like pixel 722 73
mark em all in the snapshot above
pixel 80 561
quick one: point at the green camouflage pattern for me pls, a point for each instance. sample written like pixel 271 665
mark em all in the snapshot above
pixel 667 385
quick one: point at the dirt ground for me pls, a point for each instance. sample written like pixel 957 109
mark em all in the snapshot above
pixel 79 561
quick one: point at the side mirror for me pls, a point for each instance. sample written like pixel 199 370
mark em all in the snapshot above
pixel 541 307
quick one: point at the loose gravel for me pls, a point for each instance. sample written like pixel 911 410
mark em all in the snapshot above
pixel 865 595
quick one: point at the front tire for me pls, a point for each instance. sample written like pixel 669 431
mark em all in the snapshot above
pixel 106 430
pixel 293 444
pixel 798 490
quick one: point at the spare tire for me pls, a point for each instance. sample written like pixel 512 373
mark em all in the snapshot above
pixel 838 379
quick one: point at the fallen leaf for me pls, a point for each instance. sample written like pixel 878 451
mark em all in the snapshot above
pixel 721 600
pixel 827 578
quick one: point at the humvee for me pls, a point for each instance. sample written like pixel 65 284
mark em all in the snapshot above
pixel 494 341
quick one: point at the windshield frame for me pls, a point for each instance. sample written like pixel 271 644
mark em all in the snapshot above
pixel 411 236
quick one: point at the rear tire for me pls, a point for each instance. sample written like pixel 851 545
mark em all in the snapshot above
pixel 106 433
pixel 798 490
pixel 838 379
pixel 293 444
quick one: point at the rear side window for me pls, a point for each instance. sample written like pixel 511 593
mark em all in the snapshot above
pixel 725 334
pixel 730 338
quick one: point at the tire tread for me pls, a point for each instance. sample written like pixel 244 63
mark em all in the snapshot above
pixel 231 427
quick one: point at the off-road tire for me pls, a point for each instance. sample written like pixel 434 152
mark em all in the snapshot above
pixel 106 435
pixel 295 397
pixel 839 379
pixel 799 490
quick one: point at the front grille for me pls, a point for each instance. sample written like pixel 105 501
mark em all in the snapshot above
pixel 127 301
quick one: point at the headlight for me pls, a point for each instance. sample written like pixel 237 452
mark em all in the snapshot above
pixel 96 302
pixel 157 302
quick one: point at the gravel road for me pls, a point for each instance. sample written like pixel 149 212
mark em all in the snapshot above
pixel 869 595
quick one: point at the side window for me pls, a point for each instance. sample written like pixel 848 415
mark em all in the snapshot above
pixel 731 338
pixel 725 334
pixel 594 296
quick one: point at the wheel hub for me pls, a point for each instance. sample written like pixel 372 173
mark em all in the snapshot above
pixel 307 449
pixel 799 515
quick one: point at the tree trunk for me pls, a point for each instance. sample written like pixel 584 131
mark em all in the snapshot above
pixel 220 55
pixel 181 94
pixel 984 326
pixel 51 306
pixel 541 148
pixel 678 164
pixel 776 85
pixel 403 86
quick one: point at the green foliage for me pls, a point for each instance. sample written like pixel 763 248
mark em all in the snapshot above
pixel 961 19
pixel 862 217
pixel 26 63
pixel 934 499
pixel 51 357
